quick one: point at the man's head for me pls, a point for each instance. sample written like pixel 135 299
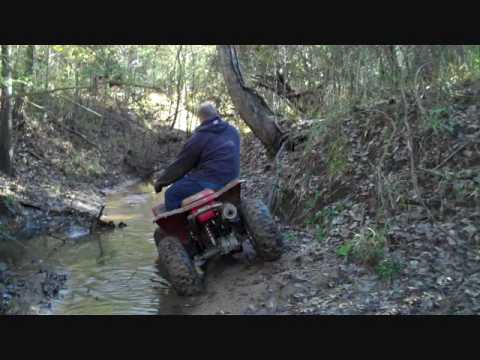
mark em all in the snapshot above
pixel 206 111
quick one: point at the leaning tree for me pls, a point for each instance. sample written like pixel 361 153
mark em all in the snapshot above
pixel 251 107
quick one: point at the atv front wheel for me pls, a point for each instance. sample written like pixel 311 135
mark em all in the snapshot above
pixel 267 240
pixel 179 267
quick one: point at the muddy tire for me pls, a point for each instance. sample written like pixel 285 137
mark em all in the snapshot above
pixel 158 236
pixel 267 240
pixel 178 266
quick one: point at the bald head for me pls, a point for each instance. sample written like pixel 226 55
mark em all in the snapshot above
pixel 206 111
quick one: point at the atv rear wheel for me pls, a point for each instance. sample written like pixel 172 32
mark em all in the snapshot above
pixel 179 267
pixel 158 235
pixel 267 240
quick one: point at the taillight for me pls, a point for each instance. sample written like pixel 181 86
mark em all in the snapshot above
pixel 205 213
pixel 206 216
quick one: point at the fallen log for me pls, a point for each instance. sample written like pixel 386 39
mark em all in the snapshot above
pixel 31 206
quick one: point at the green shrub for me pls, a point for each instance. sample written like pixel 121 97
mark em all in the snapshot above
pixel 387 269
pixel 345 249
pixel 9 201
pixel 439 120
pixel 320 233
pixel 367 247
pixel 290 236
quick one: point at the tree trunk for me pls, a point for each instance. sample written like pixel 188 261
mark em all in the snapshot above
pixel 179 86
pixel 28 73
pixel 422 58
pixel 47 70
pixel 76 95
pixel 6 150
pixel 396 71
pixel 250 105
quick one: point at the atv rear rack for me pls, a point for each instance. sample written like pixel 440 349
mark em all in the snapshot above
pixel 158 210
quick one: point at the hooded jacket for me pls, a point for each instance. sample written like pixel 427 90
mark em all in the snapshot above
pixel 212 154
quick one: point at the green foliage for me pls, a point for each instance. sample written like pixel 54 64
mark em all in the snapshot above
pixel 9 201
pixel 326 78
pixel 311 203
pixel 320 233
pixel 439 120
pixel 290 236
pixel 367 247
pixel 387 269
pixel 321 220
pixel 325 215
pixel 327 132
pixel 344 250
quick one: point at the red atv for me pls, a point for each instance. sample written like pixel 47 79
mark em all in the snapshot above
pixel 208 225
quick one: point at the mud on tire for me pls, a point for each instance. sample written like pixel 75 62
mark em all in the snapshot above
pixel 267 239
pixel 158 236
pixel 179 268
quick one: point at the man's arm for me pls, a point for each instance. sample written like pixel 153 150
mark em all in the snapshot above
pixel 186 161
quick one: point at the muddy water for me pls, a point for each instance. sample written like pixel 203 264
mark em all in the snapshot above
pixel 114 272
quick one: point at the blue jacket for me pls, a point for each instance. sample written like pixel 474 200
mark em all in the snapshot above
pixel 212 154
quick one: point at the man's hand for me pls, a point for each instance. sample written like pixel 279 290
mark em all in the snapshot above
pixel 158 187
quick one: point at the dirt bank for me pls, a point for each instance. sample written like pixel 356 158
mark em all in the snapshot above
pixel 385 230
pixel 61 178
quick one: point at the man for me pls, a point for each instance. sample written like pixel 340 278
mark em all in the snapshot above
pixel 209 160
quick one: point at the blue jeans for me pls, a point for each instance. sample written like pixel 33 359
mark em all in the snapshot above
pixel 184 188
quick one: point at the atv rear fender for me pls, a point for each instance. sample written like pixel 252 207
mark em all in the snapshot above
pixel 175 222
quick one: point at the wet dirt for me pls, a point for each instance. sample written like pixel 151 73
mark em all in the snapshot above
pixel 115 273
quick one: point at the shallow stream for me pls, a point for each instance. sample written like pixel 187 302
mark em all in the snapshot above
pixel 110 272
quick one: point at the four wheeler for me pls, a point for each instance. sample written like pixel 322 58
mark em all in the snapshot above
pixel 208 225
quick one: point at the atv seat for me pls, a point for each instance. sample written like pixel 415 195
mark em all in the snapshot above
pixel 189 203
pixel 198 196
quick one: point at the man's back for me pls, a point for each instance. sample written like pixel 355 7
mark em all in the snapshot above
pixel 209 159
pixel 219 155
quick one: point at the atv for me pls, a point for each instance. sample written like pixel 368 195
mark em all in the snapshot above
pixel 209 225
